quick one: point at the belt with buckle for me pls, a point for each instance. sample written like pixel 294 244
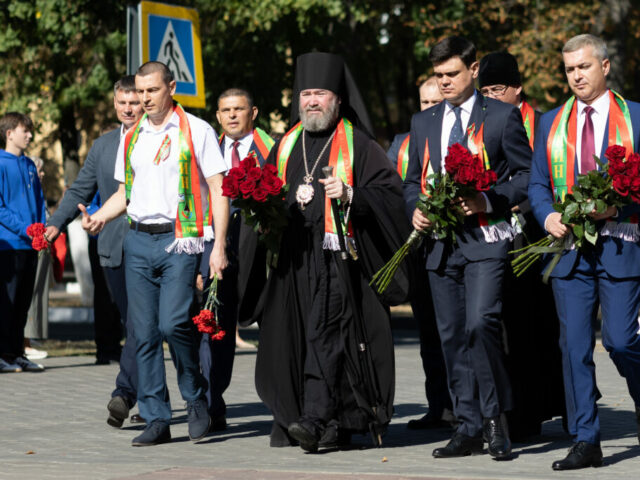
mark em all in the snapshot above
pixel 151 228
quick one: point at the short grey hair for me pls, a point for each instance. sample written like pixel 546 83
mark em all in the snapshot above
pixel 126 84
pixel 584 40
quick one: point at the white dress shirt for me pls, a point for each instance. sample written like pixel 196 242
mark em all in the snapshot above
pixel 449 118
pixel 154 193
pixel 243 148
pixel 599 118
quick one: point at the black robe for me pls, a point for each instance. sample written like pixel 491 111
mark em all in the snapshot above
pixel 307 327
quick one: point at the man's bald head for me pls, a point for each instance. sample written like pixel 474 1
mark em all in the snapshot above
pixel 429 93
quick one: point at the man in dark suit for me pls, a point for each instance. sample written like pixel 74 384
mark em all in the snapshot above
pixel 97 174
pixel 440 412
pixel 609 273
pixel 466 277
pixel 528 312
pixel 236 114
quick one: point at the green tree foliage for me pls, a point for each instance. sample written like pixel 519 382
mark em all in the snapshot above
pixel 62 56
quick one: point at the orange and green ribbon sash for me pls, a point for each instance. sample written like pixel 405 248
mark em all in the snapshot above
pixel 262 140
pixel 403 158
pixel 189 217
pixel 341 159
pixel 427 168
pixel 561 145
pixel 528 120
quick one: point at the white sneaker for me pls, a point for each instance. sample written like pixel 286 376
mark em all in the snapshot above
pixel 34 354
pixel 27 365
pixel 6 367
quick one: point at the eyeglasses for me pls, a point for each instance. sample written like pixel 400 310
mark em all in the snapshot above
pixel 494 90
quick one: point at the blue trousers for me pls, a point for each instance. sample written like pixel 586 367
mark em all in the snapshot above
pixel 577 298
pixel 467 297
pixel 160 288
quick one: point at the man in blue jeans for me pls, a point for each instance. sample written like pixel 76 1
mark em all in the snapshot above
pixel 21 204
pixel 166 165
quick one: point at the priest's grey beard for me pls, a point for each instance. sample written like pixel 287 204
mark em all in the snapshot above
pixel 320 123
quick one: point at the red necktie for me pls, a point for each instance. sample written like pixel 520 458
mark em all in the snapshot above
pixel 235 156
pixel 588 149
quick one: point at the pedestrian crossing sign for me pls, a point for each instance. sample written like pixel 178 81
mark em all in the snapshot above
pixel 171 35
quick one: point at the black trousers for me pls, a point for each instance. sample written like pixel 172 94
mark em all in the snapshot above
pixel 127 379
pixel 17 276
pixel 107 322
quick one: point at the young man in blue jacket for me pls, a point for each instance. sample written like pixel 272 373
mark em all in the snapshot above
pixel 21 204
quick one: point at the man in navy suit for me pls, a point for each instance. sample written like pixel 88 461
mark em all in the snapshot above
pixel 97 174
pixel 466 277
pixel 236 114
pixel 608 274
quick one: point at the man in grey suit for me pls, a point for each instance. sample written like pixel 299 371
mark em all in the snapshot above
pixel 97 175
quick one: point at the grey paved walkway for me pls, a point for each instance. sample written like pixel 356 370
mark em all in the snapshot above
pixel 52 425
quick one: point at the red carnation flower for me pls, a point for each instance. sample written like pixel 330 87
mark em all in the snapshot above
pixel 39 243
pixel 36 229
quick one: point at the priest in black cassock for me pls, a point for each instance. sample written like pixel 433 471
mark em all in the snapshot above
pixel 325 364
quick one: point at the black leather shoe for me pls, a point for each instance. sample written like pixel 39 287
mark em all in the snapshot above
pixel 136 418
pixel 496 434
pixel 581 455
pixel 118 411
pixel 428 421
pixel 460 445
pixel 154 434
pixel 218 424
pixel 198 419
pixel 305 435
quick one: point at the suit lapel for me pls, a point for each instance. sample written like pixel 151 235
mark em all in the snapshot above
pixel 434 134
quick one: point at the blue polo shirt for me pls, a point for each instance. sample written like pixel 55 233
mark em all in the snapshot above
pixel 21 200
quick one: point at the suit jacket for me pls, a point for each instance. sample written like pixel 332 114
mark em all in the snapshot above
pixel 620 259
pixel 509 154
pixel 97 174
pixel 394 148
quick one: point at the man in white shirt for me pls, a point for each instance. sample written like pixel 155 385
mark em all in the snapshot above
pixel 166 165
pixel 608 274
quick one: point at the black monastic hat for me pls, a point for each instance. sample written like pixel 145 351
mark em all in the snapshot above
pixel 330 72
pixel 499 68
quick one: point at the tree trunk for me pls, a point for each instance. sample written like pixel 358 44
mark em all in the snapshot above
pixel 70 141
pixel 611 24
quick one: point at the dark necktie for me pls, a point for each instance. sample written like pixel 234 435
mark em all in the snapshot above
pixel 588 148
pixel 456 135
pixel 235 156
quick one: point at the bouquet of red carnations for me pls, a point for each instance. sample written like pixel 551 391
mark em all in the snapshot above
pixel 259 193
pixel 206 320
pixel 466 175
pixel 616 184
pixel 36 232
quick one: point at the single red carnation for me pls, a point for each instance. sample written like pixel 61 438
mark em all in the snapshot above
pixel 36 229
pixel 219 335
pixel 39 243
